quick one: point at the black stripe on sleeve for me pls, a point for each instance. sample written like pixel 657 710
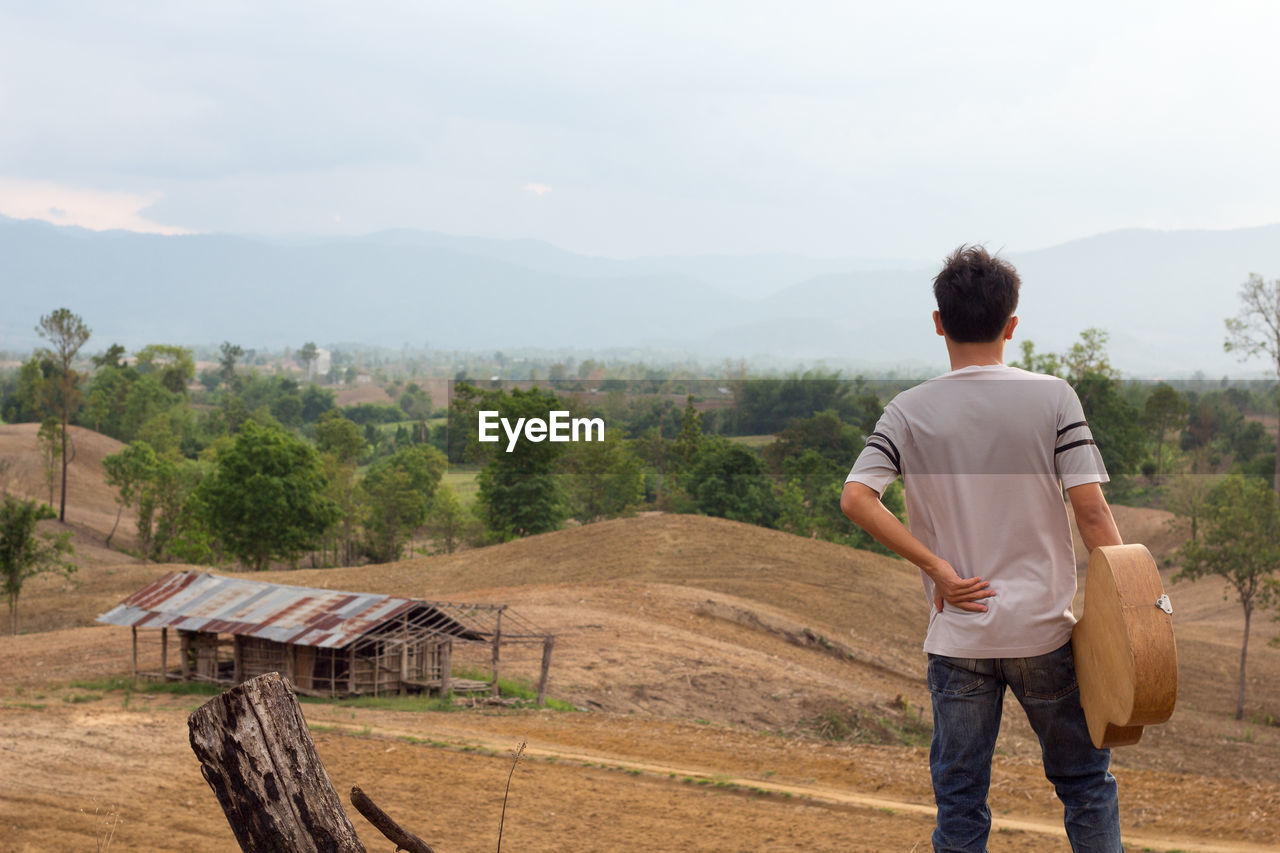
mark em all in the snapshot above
pixel 892 452
pixel 887 454
pixel 1082 441
pixel 1070 427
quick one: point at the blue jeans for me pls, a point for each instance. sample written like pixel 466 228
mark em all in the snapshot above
pixel 968 698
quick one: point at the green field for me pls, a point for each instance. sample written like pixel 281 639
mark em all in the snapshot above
pixel 755 441
pixel 463 480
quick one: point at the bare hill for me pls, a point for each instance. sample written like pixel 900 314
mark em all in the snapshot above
pixel 698 640
pixel 700 618
pixel 91 503
pixel 691 616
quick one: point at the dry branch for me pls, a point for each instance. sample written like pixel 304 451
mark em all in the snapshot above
pixel 398 835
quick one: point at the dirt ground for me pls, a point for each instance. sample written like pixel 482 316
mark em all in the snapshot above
pixel 704 656
pixel 589 782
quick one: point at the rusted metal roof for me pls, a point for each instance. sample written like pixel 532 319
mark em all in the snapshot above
pixel 324 618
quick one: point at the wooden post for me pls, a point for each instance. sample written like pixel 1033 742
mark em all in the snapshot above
pixel 446 665
pixel 404 664
pixel 134 629
pixel 351 669
pixel 184 650
pixel 404 652
pixel 547 645
pixel 164 653
pixel 290 665
pixel 237 659
pixel 497 645
pixel 259 759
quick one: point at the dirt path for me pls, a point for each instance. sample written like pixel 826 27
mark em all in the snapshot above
pixel 71 760
pixel 463 739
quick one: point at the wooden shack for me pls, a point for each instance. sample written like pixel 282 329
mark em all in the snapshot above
pixel 324 642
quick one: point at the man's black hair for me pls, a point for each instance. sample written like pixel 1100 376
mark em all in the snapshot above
pixel 977 293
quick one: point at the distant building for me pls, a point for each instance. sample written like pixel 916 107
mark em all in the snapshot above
pixel 324 642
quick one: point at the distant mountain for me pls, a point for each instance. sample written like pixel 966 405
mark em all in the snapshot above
pixel 1161 295
pixel 136 288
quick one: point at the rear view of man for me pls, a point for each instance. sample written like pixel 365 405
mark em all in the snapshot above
pixel 984 451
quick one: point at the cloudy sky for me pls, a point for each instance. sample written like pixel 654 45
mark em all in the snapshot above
pixel 877 130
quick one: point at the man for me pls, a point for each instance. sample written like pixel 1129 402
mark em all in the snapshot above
pixel 982 451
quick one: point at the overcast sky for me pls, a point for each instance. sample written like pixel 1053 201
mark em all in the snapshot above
pixel 832 129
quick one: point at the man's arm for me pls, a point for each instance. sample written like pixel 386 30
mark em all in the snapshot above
pixel 862 504
pixel 1093 516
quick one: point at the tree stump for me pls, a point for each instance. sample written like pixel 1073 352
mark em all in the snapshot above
pixel 259 759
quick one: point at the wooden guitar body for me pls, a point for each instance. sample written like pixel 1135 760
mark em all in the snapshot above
pixel 1126 661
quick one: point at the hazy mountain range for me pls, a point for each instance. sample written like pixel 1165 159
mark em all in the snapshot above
pixel 1161 295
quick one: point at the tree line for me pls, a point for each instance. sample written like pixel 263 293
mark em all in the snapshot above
pixel 265 469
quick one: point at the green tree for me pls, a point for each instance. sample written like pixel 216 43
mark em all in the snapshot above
pixel 1249 441
pixel 147 398
pixel 25 403
pixel 519 494
pixel 49 441
pixel 399 489
pixel 340 436
pixel 601 479
pixel 264 498
pixel 174 366
pixel 416 402
pixel 25 552
pixel 688 442
pixel 1256 331
pixel 1038 362
pixel 107 400
pixel 463 423
pixel 66 334
pixel 1241 544
pixel 1116 423
pixel 113 357
pixel 341 445
pixel 171 522
pixel 823 433
pixel 171 431
pixel 1165 411
pixel 811 501
pixel 1088 357
pixel 128 471
pixel 307 357
pixel 1188 492
pixel 315 402
pixel 180 531
pixel 729 481
pixel 229 354
pixel 287 409
pixel 768 405
pixel 1211 421
pixel 449 523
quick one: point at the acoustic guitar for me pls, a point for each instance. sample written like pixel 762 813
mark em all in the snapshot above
pixel 1126 661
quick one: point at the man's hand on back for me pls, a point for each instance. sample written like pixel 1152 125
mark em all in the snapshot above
pixel 961 593
pixel 862 504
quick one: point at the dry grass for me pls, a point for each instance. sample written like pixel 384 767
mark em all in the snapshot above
pixel 687 618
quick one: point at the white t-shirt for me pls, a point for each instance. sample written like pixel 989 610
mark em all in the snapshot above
pixel 981 451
